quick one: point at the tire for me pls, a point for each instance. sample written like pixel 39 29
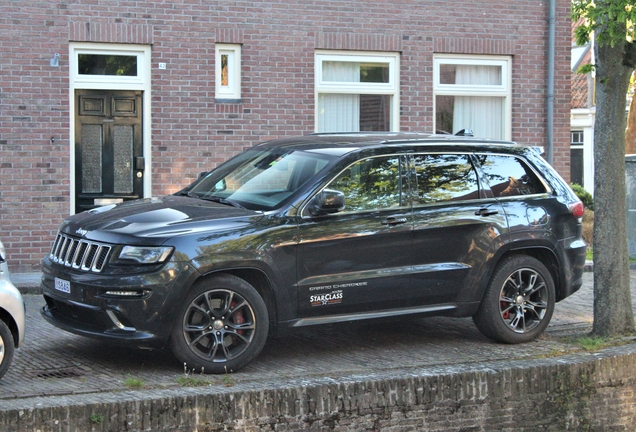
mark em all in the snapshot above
pixel 7 348
pixel 221 327
pixel 518 303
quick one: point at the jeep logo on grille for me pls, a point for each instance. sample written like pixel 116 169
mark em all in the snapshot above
pixel 81 232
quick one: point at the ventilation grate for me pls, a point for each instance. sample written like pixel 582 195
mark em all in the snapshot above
pixel 55 373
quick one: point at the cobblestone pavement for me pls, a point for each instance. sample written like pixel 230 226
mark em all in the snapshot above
pixel 53 362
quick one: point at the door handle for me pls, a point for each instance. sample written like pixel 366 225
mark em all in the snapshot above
pixel 486 212
pixel 394 221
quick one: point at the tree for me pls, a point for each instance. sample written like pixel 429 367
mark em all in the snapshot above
pixel 630 134
pixel 610 22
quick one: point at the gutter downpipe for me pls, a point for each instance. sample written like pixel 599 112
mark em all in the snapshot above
pixel 550 85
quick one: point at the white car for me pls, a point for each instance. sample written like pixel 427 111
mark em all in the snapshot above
pixel 12 315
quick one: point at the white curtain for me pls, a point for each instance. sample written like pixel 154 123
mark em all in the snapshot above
pixel 483 114
pixel 339 112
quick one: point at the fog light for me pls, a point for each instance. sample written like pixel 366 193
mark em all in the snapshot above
pixel 128 294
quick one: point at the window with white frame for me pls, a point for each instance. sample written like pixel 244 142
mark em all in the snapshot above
pixel 473 92
pixel 99 66
pixel 357 92
pixel 228 71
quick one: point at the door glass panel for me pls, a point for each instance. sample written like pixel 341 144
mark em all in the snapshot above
pixel 123 155
pixel 370 184
pixel 91 158
pixel 100 64
pixel 444 178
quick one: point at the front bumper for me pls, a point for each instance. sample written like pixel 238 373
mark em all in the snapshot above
pixel 138 311
pixel 11 301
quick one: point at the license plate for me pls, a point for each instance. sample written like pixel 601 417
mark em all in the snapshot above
pixel 63 285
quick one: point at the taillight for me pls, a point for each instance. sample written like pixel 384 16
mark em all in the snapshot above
pixel 577 209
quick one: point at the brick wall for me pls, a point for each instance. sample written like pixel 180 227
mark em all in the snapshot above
pixel 579 392
pixel 192 132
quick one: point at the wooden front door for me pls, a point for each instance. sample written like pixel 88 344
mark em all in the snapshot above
pixel 109 162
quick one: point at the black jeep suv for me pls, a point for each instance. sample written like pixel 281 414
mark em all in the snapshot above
pixel 324 228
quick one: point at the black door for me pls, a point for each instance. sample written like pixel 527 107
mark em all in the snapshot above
pixel 358 260
pixel 108 147
pixel 455 229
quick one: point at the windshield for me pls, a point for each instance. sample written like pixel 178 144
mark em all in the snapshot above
pixel 259 179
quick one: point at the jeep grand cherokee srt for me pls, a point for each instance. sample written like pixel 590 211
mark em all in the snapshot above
pixel 320 229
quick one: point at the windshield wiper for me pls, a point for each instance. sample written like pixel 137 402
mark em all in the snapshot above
pixel 221 201
pixel 213 199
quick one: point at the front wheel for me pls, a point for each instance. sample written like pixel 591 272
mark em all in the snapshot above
pixel 519 301
pixel 7 348
pixel 221 326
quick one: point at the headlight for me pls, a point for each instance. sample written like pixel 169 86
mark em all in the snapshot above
pixel 145 254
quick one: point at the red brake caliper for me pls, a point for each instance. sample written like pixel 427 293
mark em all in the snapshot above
pixel 237 318
pixel 506 314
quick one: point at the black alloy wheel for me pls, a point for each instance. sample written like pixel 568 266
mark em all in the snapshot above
pixel 222 326
pixel 519 301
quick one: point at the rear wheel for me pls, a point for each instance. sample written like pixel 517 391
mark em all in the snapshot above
pixel 519 301
pixel 221 326
pixel 6 348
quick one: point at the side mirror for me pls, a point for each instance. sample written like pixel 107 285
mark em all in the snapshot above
pixel 327 202
pixel 220 185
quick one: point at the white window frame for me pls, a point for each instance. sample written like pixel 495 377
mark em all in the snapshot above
pixel 112 82
pixel 108 81
pixel 332 87
pixel 503 90
pixel 233 89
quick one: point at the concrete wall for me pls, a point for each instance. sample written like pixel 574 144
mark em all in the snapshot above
pixel 580 392
pixel 630 180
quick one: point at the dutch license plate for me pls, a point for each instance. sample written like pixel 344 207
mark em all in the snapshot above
pixel 63 285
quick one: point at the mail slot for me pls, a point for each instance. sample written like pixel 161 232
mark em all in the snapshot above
pixel 107 201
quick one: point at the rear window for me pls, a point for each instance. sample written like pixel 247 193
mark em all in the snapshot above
pixel 510 176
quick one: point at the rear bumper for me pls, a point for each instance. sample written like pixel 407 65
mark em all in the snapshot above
pixel 572 256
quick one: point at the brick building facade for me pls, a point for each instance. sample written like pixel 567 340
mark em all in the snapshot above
pixel 206 79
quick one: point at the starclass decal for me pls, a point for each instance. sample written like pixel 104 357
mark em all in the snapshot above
pixel 334 297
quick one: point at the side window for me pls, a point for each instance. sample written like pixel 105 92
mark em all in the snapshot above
pixel 510 176
pixel 444 178
pixel 373 183
pixel 228 71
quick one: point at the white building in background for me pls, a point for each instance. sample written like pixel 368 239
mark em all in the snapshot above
pixel 582 118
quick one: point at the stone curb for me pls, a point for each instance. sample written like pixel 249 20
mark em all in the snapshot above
pixel 490 385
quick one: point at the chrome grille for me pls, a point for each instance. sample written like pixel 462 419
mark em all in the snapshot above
pixel 79 254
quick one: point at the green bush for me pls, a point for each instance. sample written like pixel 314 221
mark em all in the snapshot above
pixel 584 196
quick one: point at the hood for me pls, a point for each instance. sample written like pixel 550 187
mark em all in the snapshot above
pixel 156 218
